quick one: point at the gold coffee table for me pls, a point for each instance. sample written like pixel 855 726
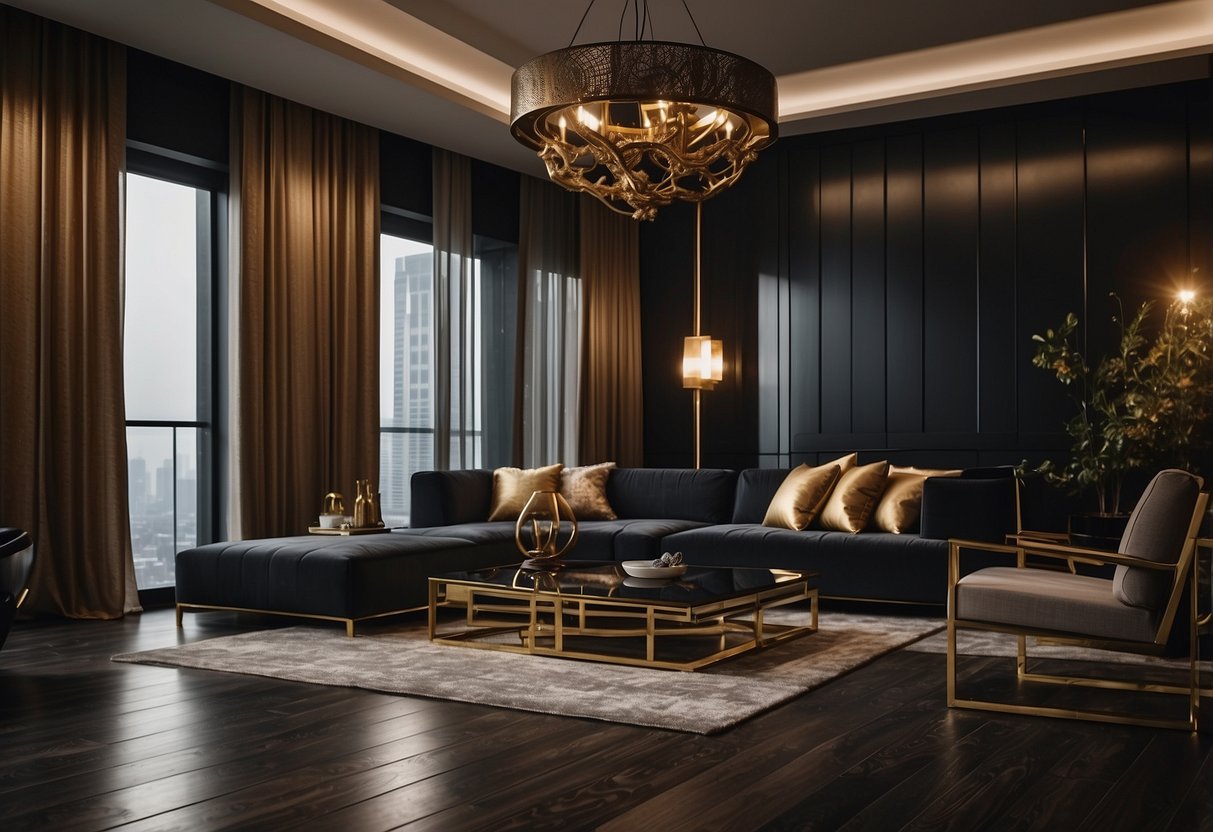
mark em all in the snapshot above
pixel 594 611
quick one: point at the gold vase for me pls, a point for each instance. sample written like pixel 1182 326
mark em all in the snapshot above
pixel 537 532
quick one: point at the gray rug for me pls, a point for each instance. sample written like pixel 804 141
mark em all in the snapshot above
pixel 403 661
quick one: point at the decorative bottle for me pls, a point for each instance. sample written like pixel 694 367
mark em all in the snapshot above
pixel 362 505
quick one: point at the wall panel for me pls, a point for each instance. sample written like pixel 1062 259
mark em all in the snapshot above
pixel 950 238
pixel 921 257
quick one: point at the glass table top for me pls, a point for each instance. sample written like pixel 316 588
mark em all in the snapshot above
pixel 698 585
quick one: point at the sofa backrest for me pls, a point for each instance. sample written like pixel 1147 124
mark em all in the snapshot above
pixel 445 498
pixel 704 495
pixel 756 488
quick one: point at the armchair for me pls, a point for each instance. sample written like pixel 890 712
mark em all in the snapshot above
pixel 1133 611
pixel 16 560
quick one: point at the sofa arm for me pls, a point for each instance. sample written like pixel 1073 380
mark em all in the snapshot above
pixel 973 508
pixel 445 498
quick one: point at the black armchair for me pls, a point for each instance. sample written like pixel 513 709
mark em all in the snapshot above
pixel 16 561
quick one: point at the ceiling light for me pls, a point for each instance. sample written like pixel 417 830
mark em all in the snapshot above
pixel 642 123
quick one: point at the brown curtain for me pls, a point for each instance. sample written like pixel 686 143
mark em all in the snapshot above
pixel 308 361
pixel 62 419
pixel 612 403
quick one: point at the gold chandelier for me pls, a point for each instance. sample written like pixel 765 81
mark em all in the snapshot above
pixel 639 124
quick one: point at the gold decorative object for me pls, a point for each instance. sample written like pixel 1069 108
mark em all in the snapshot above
pixel 541 520
pixel 702 355
pixel 334 503
pixel 639 124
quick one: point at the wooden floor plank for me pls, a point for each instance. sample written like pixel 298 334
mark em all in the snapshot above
pixel 90 744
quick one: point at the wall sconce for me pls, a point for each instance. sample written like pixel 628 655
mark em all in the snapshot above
pixel 702 355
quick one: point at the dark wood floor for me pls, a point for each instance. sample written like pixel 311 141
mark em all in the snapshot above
pixel 89 744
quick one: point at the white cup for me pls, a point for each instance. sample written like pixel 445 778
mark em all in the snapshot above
pixel 331 521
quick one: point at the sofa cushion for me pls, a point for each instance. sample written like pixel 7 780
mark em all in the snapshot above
pixel 801 496
pixel 871 565
pixel 344 577
pixel 704 495
pixel 512 487
pixel 854 498
pixel 584 488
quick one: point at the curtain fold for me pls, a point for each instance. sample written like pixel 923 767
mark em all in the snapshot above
pixel 458 365
pixel 612 397
pixel 63 470
pixel 308 407
pixel 549 302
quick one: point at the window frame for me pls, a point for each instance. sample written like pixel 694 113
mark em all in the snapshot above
pixel 213 347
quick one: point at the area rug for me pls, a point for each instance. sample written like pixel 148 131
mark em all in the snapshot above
pixel 402 661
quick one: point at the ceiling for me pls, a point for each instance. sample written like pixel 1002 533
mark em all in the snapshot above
pixel 439 72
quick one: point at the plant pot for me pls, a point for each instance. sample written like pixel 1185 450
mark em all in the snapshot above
pixel 1098 531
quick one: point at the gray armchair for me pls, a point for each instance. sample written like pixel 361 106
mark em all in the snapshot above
pixel 16 561
pixel 1133 611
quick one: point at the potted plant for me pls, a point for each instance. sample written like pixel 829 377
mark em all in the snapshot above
pixel 1145 405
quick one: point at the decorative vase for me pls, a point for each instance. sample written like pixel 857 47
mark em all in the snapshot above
pixel 362 506
pixel 537 532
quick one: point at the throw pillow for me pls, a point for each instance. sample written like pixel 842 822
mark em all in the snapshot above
pixel 800 497
pixel 855 497
pixel 585 490
pixel 512 487
pixel 900 508
pixel 845 462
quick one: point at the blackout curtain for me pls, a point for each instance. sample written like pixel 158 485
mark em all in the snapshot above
pixel 612 399
pixel 457 346
pixel 62 417
pixel 308 356
pixel 549 299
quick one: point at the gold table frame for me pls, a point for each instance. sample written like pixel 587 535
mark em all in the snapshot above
pixel 544 618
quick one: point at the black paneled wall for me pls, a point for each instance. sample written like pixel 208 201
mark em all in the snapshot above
pixel 878 289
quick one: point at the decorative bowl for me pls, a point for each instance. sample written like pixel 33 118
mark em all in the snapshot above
pixel 646 569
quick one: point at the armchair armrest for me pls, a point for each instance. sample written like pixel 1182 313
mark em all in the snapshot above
pixel 1057 551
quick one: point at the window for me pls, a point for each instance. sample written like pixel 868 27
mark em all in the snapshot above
pixel 406 406
pixel 169 282
pixel 407 370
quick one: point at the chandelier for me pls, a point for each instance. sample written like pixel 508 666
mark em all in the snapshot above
pixel 642 123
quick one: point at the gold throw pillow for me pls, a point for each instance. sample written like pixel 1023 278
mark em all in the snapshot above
pixel 801 495
pixel 845 462
pixel 512 487
pixel 585 490
pixel 900 509
pixel 854 498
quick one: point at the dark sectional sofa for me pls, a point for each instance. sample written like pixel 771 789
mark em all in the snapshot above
pixel 713 516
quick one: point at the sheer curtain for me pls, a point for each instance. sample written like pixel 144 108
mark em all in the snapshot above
pixel 458 344
pixel 612 400
pixel 549 296
pixel 308 360
pixel 63 465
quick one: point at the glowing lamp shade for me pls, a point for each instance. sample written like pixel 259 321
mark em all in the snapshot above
pixel 702 362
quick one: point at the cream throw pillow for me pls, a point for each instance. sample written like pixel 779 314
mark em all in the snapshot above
pixel 512 487
pixel 800 497
pixel 854 498
pixel 585 490
pixel 900 508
